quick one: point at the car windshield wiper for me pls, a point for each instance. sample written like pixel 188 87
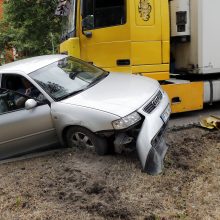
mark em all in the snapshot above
pixel 71 94
pixel 99 78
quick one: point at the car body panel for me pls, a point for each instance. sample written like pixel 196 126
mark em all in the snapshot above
pixel 65 115
pixel 150 128
pixel 118 94
pixel 29 65
pixel 26 130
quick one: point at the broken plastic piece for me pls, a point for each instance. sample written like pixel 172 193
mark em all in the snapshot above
pixel 211 122
pixel 121 140
pixel 154 164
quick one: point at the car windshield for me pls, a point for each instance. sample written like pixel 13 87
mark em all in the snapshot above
pixel 67 77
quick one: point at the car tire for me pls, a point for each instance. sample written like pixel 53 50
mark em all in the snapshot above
pixel 83 138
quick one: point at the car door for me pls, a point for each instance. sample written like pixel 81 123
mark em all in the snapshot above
pixel 23 130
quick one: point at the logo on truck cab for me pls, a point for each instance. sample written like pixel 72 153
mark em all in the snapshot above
pixel 145 9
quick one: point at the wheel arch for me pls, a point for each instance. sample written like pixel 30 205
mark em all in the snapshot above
pixel 99 143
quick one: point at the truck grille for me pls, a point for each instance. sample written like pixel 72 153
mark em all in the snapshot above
pixel 155 101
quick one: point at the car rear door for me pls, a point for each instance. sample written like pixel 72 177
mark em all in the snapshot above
pixel 23 130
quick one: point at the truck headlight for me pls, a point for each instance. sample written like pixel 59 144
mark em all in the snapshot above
pixel 127 121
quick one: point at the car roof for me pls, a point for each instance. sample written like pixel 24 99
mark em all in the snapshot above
pixel 29 65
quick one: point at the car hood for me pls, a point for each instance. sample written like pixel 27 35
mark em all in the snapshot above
pixel 118 93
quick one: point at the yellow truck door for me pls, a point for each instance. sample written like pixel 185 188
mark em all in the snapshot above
pixel 105 33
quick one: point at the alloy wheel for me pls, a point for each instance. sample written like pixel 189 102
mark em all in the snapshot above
pixel 79 139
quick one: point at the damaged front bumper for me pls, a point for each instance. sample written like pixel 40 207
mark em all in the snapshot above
pixel 147 136
pixel 150 144
pixel 152 162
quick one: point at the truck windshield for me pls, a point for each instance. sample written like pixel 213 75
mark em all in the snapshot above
pixel 67 10
pixel 71 21
pixel 67 77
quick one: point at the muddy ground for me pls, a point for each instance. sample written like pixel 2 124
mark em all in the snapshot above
pixel 80 185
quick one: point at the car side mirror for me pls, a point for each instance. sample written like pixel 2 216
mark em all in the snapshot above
pixel 30 104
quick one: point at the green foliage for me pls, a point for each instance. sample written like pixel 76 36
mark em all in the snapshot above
pixel 18 201
pixel 30 26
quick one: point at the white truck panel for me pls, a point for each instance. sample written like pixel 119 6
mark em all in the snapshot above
pixel 201 54
pixel 179 6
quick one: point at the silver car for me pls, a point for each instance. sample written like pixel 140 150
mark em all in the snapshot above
pixel 59 99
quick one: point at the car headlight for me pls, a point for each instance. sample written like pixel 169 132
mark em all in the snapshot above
pixel 127 121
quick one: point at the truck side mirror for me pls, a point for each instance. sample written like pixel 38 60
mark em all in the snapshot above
pixel 88 24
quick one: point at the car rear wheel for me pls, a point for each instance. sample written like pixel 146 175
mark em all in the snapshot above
pixel 83 138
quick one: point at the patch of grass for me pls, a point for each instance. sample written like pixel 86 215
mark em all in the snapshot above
pixel 18 201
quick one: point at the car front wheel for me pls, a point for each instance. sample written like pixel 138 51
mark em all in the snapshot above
pixel 83 138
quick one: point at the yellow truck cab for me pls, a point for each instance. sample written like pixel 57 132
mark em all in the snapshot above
pixel 123 36
pixel 133 36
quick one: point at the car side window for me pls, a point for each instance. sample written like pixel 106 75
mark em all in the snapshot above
pixel 11 101
pixel 21 85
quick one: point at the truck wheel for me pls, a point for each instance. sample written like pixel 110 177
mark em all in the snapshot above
pixel 83 138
